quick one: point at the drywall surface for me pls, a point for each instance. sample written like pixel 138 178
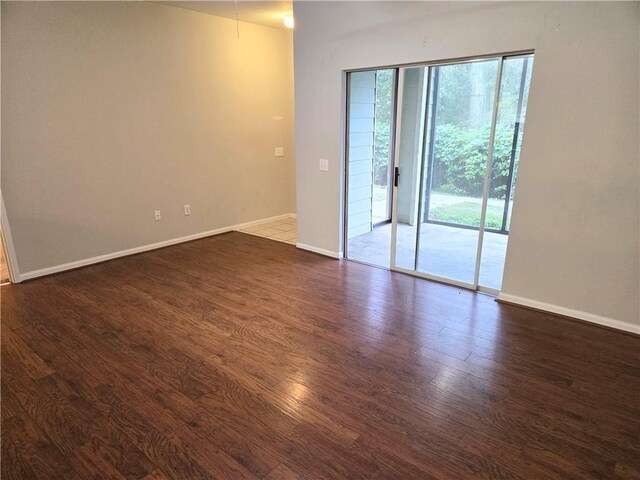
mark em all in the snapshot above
pixel 575 231
pixel 112 110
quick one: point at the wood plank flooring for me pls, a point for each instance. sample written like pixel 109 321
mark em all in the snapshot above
pixel 237 357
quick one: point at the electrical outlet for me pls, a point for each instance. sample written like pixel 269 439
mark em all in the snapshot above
pixel 324 165
pixel 278 152
pixel 187 209
pixel 158 216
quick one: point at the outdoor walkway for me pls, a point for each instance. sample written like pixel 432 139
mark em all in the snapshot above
pixel 444 251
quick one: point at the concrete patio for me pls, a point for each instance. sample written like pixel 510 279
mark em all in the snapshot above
pixel 445 251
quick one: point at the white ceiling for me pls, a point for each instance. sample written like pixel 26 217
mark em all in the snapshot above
pixel 270 14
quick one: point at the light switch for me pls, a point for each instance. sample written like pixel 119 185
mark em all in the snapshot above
pixel 324 165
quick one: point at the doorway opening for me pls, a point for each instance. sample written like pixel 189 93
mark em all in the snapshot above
pixel 369 168
pixel 456 152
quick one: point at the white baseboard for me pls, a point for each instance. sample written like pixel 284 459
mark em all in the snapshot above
pixel 145 248
pixel 568 312
pixel 321 251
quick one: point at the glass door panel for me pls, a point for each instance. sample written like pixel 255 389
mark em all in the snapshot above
pixel 409 161
pixel 514 90
pixel 458 133
pixel 382 160
pixel 370 116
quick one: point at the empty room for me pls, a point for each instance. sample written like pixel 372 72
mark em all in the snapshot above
pixel 320 240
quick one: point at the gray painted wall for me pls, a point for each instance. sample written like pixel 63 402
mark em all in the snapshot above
pixel 113 110
pixel 574 242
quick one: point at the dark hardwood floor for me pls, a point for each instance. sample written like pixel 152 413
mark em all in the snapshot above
pixel 242 358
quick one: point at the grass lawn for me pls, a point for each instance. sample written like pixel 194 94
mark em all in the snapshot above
pixel 448 208
pixel 467 213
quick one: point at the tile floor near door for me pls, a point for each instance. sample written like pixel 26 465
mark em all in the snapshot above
pixel 282 230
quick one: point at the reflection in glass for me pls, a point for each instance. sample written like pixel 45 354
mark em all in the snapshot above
pixel 458 131
pixel 514 92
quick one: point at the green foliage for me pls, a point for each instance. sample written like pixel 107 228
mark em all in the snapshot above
pixel 465 105
pixel 382 139
pixel 461 158
pixel 464 108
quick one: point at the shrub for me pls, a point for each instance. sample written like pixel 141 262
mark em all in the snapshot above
pixel 461 157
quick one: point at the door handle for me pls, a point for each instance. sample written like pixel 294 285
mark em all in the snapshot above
pixel 395 176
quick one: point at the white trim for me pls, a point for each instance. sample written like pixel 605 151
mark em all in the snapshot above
pixel 488 290
pixel 397 131
pixel 321 251
pixel 145 248
pixel 368 264
pixel 253 223
pixel 7 240
pixel 436 278
pixel 568 312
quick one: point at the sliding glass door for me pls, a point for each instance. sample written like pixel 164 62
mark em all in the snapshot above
pixel 431 166
pixel 457 149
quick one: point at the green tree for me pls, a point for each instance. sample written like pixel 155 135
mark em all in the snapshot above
pixel 382 137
